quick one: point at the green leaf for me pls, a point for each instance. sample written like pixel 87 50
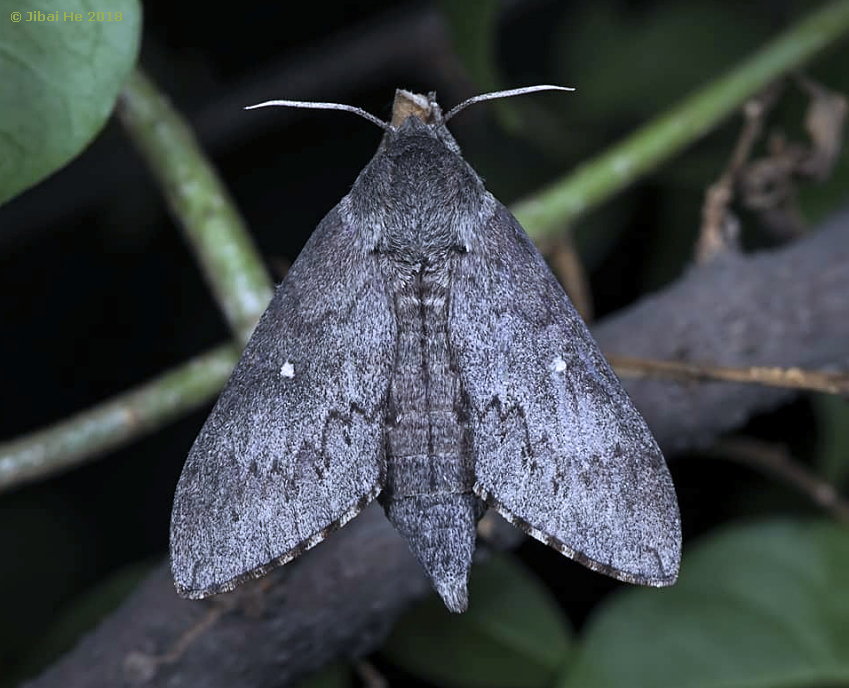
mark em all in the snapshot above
pixel 513 634
pixel 60 78
pixel 761 605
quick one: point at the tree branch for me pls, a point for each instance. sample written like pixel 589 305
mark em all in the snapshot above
pixel 785 307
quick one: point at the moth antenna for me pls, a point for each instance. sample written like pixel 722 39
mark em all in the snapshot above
pixel 323 106
pixel 495 95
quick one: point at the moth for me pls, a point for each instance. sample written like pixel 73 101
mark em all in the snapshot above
pixel 420 352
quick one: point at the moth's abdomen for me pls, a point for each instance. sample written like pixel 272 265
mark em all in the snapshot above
pixel 428 492
pixel 427 427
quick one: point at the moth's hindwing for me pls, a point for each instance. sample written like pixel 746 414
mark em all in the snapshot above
pixel 559 448
pixel 294 447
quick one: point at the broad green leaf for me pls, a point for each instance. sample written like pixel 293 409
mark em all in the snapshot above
pixel 62 65
pixel 762 605
pixel 513 634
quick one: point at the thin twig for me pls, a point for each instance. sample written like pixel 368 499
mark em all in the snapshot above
pixel 789 378
pixel 545 214
pixel 567 265
pixel 777 460
pixel 370 675
pixel 720 227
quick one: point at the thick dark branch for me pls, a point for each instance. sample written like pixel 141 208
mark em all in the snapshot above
pixel 786 307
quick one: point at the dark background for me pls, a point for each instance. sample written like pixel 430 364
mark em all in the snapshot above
pixel 100 292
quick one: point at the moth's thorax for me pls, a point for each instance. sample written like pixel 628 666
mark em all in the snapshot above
pixel 417 196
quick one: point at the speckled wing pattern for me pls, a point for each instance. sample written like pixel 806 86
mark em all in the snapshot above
pixel 294 448
pixel 558 447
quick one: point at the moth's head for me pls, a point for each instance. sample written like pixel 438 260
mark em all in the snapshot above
pixel 414 114
pixel 409 104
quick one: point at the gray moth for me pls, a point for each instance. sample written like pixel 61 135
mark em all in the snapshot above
pixel 421 352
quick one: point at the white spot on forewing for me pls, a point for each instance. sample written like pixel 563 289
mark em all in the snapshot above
pixel 559 365
pixel 287 370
